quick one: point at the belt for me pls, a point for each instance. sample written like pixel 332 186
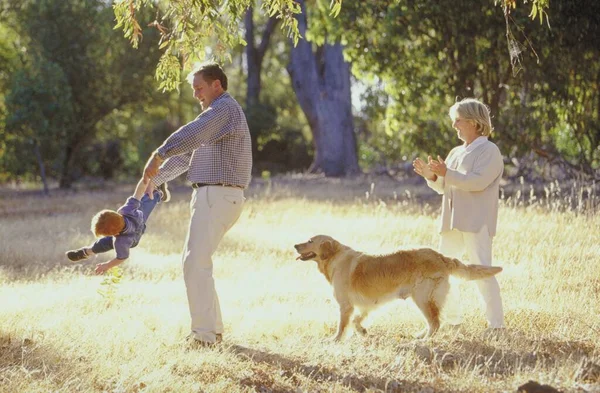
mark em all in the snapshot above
pixel 198 185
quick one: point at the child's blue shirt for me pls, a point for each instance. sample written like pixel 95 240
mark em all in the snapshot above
pixel 134 228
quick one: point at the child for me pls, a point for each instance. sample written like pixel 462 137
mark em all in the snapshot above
pixel 122 229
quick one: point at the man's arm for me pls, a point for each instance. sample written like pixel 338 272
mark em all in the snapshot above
pixel 172 167
pixel 207 128
pixel 151 168
pixel 157 174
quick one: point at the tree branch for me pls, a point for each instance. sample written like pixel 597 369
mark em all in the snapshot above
pixel 266 38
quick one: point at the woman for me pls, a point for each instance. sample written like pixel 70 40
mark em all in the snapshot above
pixel 469 179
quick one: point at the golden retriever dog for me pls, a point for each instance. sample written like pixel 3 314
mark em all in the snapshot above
pixel 363 282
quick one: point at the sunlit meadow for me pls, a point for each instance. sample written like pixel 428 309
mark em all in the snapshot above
pixel 58 334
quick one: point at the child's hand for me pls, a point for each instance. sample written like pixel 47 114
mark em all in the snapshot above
pixel 102 267
pixel 150 190
pixel 141 187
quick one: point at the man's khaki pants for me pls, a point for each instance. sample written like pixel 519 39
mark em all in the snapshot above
pixel 214 210
pixel 478 247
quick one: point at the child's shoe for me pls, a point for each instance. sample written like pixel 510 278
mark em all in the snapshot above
pixel 77 255
pixel 165 194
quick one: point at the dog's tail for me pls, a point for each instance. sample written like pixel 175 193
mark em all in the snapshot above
pixel 470 272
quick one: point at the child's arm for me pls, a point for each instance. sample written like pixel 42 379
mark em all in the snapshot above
pixel 103 267
pixel 140 189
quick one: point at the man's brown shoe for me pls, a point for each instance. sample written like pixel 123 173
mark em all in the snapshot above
pixel 194 342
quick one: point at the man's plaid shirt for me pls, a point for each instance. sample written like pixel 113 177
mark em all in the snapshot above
pixel 215 148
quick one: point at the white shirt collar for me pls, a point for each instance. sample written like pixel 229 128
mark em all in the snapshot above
pixel 478 141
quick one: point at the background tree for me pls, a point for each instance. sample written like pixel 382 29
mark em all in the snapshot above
pixel 75 95
pixel 10 62
pixel 39 112
pixel 261 117
pixel 182 40
pixel 321 80
pixel 426 55
pixel 280 134
pixel 185 27
pixel 99 70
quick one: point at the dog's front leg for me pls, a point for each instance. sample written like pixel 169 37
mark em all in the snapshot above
pixel 346 311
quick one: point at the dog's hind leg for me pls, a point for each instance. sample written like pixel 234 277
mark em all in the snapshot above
pixel 424 298
pixel 358 320
pixel 440 292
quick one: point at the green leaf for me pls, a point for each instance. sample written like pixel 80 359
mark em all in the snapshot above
pixel 534 11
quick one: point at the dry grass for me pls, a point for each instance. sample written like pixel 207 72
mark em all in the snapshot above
pixel 57 334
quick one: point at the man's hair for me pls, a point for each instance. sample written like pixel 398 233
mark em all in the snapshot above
pixel 210 72
pixel 474 110
pixel 107 223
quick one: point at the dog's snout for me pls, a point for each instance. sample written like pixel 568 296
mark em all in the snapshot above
pixel 297 246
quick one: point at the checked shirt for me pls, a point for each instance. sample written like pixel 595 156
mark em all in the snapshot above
pixel 214 148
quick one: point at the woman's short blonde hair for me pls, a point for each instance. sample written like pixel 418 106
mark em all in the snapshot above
pixel 107 223
pixel 474 110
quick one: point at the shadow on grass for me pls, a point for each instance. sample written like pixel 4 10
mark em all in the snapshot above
pixel 23 273
pixel 292 369
pixel 28 362
pixel 506 354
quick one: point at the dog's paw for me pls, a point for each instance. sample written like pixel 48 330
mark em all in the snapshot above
pixel 335 339
pixel 423 334
pixel 361 330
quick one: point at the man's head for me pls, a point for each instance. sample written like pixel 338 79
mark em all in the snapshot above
pixel 208 81
pixel 107 223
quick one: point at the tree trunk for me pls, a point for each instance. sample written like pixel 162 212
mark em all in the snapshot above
pixel 66 178
pixel 254 59
pixel 38 156
pixel 321 82
pixel 252 62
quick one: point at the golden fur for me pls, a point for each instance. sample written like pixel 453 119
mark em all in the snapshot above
pixel 363 282
pixel 107 223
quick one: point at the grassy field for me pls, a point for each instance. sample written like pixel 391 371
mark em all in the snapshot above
pixel 58 334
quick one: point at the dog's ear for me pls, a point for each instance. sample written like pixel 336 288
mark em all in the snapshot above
pixel 335 246
pixel 328 249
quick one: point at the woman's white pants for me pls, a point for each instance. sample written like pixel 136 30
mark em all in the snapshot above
pixel 478 248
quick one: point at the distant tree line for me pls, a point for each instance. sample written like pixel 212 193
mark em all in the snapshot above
pixel 77 100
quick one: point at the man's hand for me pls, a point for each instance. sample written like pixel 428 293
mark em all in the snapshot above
pixel 151 169
pixel 438 167
pixel 422 169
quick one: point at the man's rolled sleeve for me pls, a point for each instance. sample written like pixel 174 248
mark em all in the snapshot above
pixel 208 127
pixel 172 168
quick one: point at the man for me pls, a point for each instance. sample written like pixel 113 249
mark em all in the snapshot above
pixel 215 150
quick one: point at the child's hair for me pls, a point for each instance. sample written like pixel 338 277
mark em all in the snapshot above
pixel 107 223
